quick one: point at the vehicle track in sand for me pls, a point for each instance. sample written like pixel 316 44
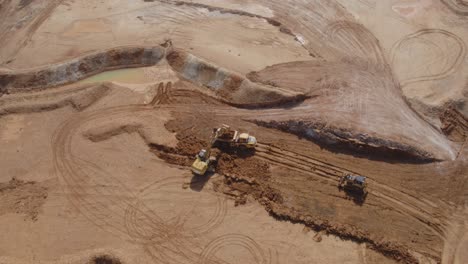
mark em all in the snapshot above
pixel 163 94
pixel 109 204
pixel 307 20
pixel 33 27
pixel 238 240
pixel 351 102
pixel 211 8
pixel 459 7
pixel 456 238
pixel 180 220
pixel 368 3
pixel 422 36
pixel 91 190
pixel 357 40
pixel 305 25
pixel 84 189
pixel 419 208
pixel 79 169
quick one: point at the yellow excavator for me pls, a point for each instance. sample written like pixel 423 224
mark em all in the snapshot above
pixel 224 135
pixel 204 160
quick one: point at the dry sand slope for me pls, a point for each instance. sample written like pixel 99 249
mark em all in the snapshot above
pixel 95 156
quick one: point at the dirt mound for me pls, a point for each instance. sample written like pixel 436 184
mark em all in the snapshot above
pixel 79 68
pixel 339 140
pixel 184 152
pixel 20 197
pixel 241 169
pixel 188 94
pixel 356 102
pixel 231 87
pixel 242 164
pixel 245 176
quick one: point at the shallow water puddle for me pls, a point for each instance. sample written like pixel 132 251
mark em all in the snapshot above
pixel 141 75
pixel 132 75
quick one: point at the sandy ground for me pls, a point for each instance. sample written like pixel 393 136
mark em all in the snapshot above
pixel 74 223
pixel 97 171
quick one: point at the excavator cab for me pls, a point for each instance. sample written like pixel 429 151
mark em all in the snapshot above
pixel 202 162
pixel 202 154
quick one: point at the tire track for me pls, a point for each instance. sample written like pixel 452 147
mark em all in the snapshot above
pixel 417 208
pixel 34 26
pixel 181 219
pixel 117 209
pixel 222 10
pixel 451 67
pixel 456 238
pixel 234 240
pixel 459 7
pixel 356 40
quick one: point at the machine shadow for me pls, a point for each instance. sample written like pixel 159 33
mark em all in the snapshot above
pixel 358 198
pixel 198 182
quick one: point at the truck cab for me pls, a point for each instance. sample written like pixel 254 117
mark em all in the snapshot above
pixel 247 140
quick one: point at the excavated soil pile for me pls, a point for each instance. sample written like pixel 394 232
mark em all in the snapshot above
pixel 245 176
pixel 323 118
pixel 79 68
pixel 20 197
pixel 348 141
pixel 325 97
pixel 231 87
pixel 356 104
pixel 183 154
pixel 293 186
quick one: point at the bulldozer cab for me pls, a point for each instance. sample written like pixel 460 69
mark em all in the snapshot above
pixel 354 183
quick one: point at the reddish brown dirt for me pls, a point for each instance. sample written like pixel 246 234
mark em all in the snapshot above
pixel 296 180
pixel 352 102
pixel 342 111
